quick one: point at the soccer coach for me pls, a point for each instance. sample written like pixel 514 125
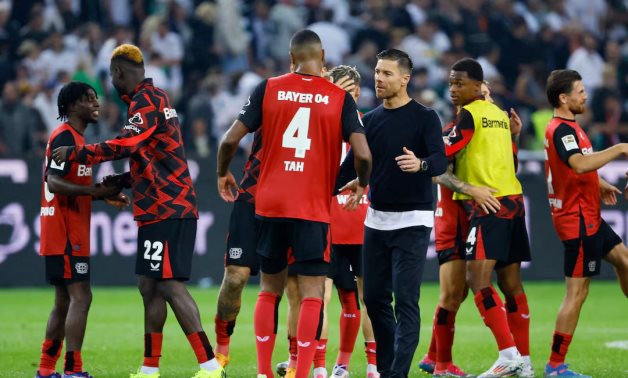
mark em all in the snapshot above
pixel 407 147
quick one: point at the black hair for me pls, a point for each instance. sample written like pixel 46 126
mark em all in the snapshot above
pixel 471 67
pixel 304 38
pixel 559 82
pixel 70 94
pixel 341 71
pixel 402 59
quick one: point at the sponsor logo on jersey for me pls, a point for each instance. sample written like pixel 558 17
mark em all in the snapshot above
pixel 494 123
pixel 83 171
pixel 136 119
pixel 170 113
pixel 569 141
pixel 587 150
pixel 54 165
pixel 47 211
pixel 81 267
pixel 556 203
pixel 154 267
pixel 235 253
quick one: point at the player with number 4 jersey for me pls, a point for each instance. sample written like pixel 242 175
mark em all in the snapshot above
pixel 303 119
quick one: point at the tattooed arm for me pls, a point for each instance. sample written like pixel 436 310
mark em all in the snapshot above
pixel 481 194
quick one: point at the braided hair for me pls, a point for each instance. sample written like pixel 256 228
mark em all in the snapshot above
pixel 70 94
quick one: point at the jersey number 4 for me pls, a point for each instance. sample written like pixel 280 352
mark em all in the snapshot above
pixel 295 135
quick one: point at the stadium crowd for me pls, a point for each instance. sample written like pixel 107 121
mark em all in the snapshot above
pixel 209 55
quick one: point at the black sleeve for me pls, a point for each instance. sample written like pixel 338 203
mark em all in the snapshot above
pixel 436 160
pixel 52 168
pixel 351 122
pixel 251 113
pixel 566 142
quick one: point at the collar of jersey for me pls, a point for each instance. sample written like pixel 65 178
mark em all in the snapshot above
pixel 148 82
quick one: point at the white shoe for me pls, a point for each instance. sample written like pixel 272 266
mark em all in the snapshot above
pixel 339 372
pixel 504 367
pixel 371 371
pixel 527 371
pixel 261 376
pixel 319 373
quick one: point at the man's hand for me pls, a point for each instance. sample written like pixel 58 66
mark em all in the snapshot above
pixel 483 196
pixel 119 201
pixel 357 192
pixel 345 83
pixel 515 122
pixel 101 191
pixel 225 185
pixel 408 162
pixel 60 154
pixel 608 193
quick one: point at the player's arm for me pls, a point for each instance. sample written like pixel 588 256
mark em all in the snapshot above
pixel 481 194
pixel 435 163
pixel 249 120
pixel 460 134
pixel 353 132
pixel 145 117
pixel 566 144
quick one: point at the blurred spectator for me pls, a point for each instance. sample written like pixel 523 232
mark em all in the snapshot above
pixel 45 103
pixel 199 121
pixel 590 13
pixel 489 62
pixel 21 128
pixel 335 39
pixel 58 57
pixel 286 19
pixel 232 40
pixel 588 62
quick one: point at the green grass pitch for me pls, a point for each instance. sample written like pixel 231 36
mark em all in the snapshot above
pixel 113 345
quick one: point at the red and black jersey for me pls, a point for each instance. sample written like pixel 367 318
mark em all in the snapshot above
pixel 303 120
pixel 571 195
pixel 347 227
pixel 151 138
pixel 250 176
pixel 65 220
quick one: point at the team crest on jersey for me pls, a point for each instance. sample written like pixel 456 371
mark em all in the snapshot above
pixel 592 265
pixel 235 253
pixel 81 268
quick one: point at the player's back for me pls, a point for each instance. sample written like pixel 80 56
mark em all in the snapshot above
pixel 302 133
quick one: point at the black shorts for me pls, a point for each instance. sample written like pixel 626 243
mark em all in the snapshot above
pixel 66 269
pixel 165 249
pixel 307 240
pixel 502 239
pixel 242 237
pixel 583 256
pixel 346 265
pixel 451 254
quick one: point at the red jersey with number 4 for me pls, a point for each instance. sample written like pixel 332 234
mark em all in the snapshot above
pixel 571 195
pixel 65 219
pixel 347 227
pixel 302 133
pixel 451 223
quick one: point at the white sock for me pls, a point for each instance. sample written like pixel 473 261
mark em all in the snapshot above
pixel 527 360
pixel 509 353
pixel 148 370
pixel 210 365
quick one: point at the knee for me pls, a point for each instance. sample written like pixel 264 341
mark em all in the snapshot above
pixel 578 294
pixel 510 287
pixel 235 280
pixel 147 289
pixel 451 300
pixel 82 300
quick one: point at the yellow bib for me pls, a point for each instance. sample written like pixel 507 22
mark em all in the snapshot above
pixel 487 160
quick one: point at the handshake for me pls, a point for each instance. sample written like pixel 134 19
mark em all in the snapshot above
pixel 110 190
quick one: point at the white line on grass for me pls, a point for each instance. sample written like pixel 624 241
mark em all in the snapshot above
pixel 623 344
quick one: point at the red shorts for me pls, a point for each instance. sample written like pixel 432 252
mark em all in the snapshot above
pixel 451 226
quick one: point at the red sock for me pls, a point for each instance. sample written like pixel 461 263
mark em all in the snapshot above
pixel 292 362
pixel 73 362
pixel 152 349
pixel 431 351
pixel 308 332
pixel 370 347
pixel 519 322
pixel 202 347
pixel 492 311
pixel 349 325
pixel 265 325
pixel 224 330
pixel 560 345
pixel 444 330
pixel 321 351
pixel 50 353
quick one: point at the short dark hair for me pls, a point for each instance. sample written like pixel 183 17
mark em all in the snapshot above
pixel 471 67
pixel 342 70
pixel 402 59
pixel 70 94
pixel 558 82
pixel 303 38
